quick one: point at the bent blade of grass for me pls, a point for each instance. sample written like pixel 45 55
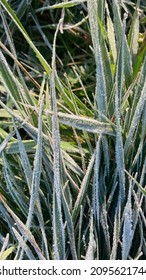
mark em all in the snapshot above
pixel 65 4
pixel 80 122
pixel 7 252
pixel 15 19
pixel 58 228
pixel 87 124
pixel 100 76
pixel 23 229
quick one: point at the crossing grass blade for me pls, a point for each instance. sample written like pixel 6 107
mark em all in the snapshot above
pixel 23 229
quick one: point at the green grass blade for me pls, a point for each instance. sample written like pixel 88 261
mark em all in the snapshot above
pixel 58 228
pixel 23 229
pixel 36 170
pixel 24 159
pixel 96 185
pixel 136 118
pixel 118 30
pixel 15 19
pixel 100 76
pixel 119 142
pixel 127 228
pixel 70 227
pixel 65 4
pixel 83 189
pixel 23 245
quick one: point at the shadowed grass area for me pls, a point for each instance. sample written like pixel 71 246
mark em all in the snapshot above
pixel 72 130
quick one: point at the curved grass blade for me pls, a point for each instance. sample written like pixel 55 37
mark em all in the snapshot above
pixel 7 252
pixel 65 4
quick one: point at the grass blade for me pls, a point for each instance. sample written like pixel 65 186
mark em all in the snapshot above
pixel 100 77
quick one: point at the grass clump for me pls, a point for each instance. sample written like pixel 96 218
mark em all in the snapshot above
pixel 72 130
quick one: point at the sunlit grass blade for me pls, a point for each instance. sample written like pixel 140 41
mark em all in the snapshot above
pixel 92 244
pixel 65 4
pixel 6 253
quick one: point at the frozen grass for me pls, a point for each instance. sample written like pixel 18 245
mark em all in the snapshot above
pixel 72 130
